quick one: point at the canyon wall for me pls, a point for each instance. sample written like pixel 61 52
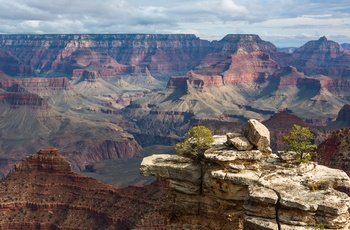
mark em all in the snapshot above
pixel 44 193
pixel 54 55
pixel 111 78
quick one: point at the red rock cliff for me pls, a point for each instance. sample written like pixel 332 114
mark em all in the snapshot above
pixel 44 193
pixel 61 54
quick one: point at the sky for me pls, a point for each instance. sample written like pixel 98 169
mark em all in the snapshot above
pixel 283 22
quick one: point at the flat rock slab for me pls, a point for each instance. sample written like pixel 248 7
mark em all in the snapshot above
pixel 245 177
pixel 240 143
pixel 335 177
pixel 171 167
pixel 219 140
pixel 262 195
pixel 226 155
pixel 256 223
pixel 295 192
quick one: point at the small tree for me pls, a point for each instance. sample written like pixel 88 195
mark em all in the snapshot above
pixel 200 139
pixel 299 141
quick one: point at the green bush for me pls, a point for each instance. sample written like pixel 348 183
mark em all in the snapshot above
pixel 200 139
pixel 299 141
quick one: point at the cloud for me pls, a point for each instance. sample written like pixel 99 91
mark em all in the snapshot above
pixel 210 19
pixel 231 7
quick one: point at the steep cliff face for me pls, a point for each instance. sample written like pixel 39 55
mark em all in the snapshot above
pixel 14 91
pixel 249 67
pixel 35 84
pixel 217 62
pixel 248 42
pixel 344 114
pixel 10 65
pixel 343 119
pixel 44 193
pixel 163 55
pixel 26 99
pixel 237 188
pixel 280 124
pixel 321 50
pixel 335 150
pixel 322 57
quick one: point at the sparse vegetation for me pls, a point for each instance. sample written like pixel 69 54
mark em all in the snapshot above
pixel 316 226
pixel 318 185
pixel 300 141
pixel 200 139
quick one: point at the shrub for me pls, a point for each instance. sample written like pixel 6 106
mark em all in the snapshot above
pixel 200 139
pixel 299 141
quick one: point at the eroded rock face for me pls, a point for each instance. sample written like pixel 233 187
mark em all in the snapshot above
pixel 233 189
pixel 258 135
pixel 344 114
pixel 45 160
pixel 321 57
pixel 107 54
pixel 44 193
pixel 335 150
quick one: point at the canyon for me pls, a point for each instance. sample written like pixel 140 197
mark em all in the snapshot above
pixel 97 97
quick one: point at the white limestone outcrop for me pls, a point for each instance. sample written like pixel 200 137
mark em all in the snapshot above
pixel 251 190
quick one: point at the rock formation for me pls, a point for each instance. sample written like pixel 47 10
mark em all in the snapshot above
pixel 119 80
pixel 249 189
pixel 43 193
pixel 335 150
pixel 322 57
pixel 344 114
pixel 247 78
pixel 54 55
pixel 37 112
pixel 279 125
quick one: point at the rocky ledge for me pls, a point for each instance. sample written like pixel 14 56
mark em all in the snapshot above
pixel 240 184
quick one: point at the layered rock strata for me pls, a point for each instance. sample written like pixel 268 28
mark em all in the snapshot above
pixel 249 189
pixel 335 150
pixel 54 55
pixel 43 193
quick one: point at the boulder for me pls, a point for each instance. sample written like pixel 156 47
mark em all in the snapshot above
pixel 233 135
pixel 219 140
pixel 288 156
pixel 240 143
pixel 258 135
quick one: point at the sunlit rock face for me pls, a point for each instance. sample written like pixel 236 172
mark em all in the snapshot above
pixel 249 189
